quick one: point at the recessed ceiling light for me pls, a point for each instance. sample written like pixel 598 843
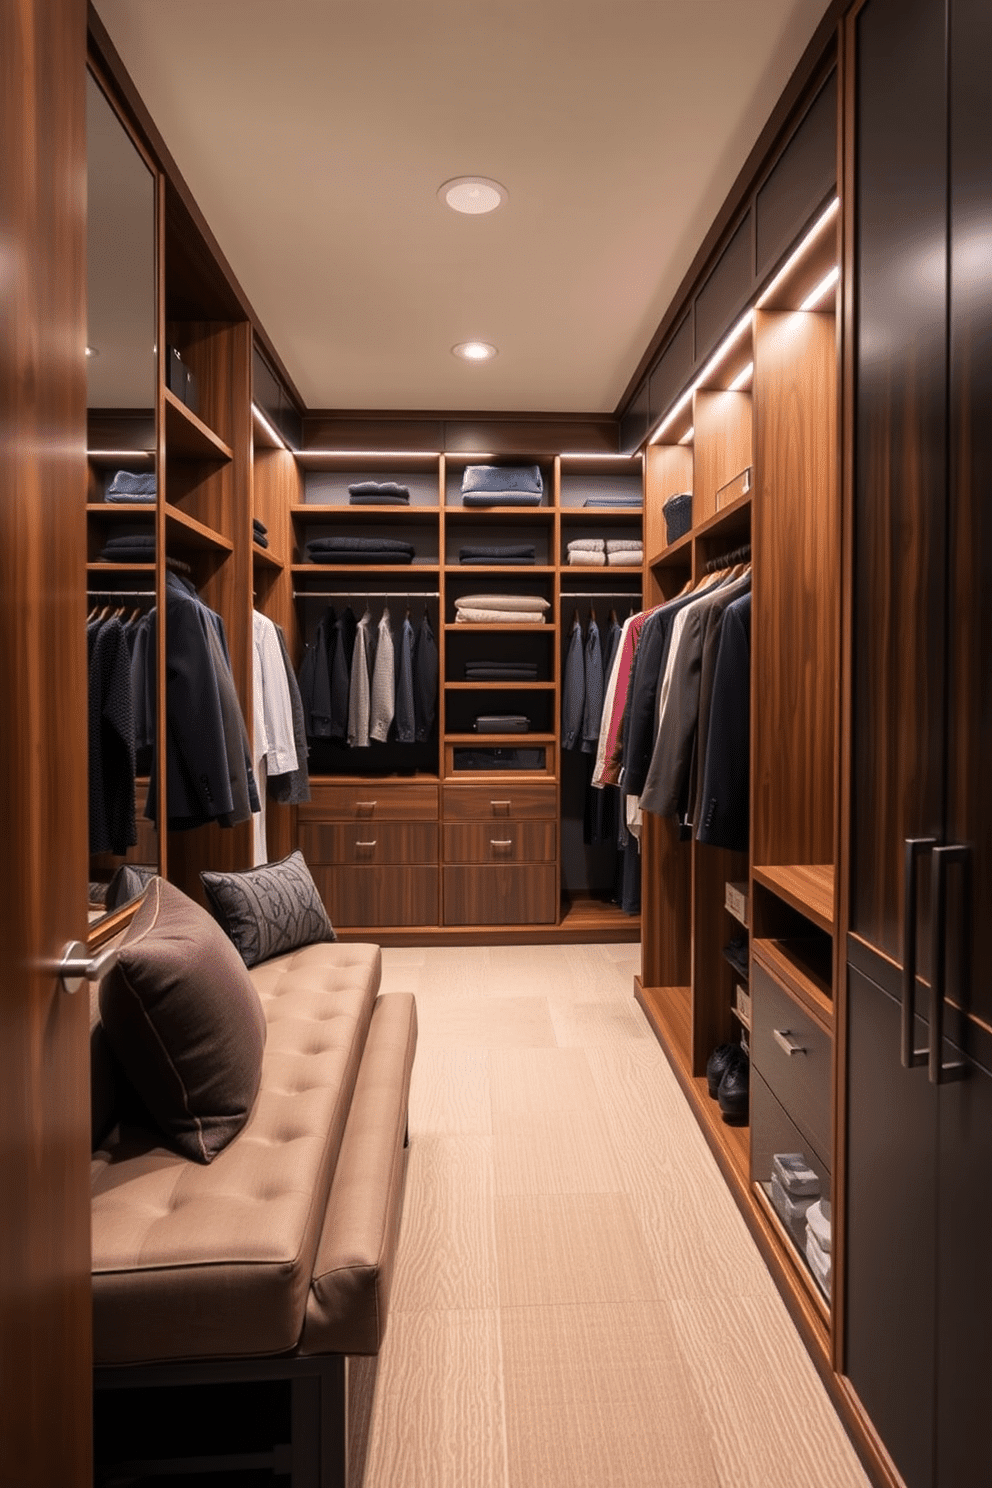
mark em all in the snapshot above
pixel 473 194
pixel 474 351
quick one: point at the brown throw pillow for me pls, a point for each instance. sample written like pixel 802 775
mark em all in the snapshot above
pixel 185 1022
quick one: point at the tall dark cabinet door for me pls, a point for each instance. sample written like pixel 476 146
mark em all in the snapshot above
pixel 891 1234
pixel 969 719
pixel 900 441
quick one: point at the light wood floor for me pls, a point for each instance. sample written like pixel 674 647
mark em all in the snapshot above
pixel 577 1301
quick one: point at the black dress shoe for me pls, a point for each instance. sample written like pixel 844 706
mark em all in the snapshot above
pixel 734 1090
pixel 723 1056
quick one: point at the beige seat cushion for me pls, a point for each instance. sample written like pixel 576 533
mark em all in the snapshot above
pixel 199 1262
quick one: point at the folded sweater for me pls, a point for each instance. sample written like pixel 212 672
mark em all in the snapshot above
pixel 501 498
pixel 498 617
pixel 519 478
pixel 586 545
pixel 502 602
pixel 584 557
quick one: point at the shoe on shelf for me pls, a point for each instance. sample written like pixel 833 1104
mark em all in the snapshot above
pixel 723 1056
pixel 734 1090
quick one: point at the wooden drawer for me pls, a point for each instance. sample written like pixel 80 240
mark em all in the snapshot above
pixel 505 842
pixel 793 1054
pixel 369 842
pixel 498 895
pixel 484 802
pixel 371 801
pixel 379 896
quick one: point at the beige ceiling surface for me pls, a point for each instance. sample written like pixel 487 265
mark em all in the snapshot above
pixel 314 135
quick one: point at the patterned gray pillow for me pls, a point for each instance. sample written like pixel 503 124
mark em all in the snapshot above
pixel 269 910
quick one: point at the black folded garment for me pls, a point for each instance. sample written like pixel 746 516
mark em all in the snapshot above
pixel 498 550
pixel 349 555
pixel 609 501
pixel 360 545
pixel 500 674
pixel 134 548
pixel 502 723
pixel 258 524
pixel 374 499
pixel 261 539
pixel 389 489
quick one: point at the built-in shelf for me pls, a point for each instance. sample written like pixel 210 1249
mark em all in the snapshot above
pixel 808 888
pixel 492 685
pixel 109 568
pixel 265 557
pixel 802 967
pixel 188 437
pixel 108 510
pixel 370 571
pixel 465 628
pixel 194 534
pixel 500 741
pixel 762 1192
pixel 340 511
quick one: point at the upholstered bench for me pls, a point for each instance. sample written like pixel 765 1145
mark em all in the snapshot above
pixel 234 1297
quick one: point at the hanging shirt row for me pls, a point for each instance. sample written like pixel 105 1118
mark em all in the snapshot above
pixel 675 732
pixel 360 684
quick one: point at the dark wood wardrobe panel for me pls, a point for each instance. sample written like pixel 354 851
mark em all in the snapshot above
pixel 795 539
pixel 900 508
pixel 45 1327
pixel 969 804
pixel 723 445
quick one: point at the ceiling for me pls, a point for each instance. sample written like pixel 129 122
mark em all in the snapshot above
pixel 314 135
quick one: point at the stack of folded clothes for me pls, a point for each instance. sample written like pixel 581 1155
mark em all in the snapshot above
pixel 516 553
pixel 381 550
pixel 502 485
pixel 378 493
pixel 587 551
pixel 501 671
pixel 794 1187
pixel 132 549
pixel 129 487
pixel 259 532
pixel 818 1243
pixel 624 552
pixel 614 501
pixel 500 609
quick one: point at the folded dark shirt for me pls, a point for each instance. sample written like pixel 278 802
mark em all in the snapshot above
pixel 379 488
pixel 375 499
pixel 132 540
pixel 613 501
pixel 259 526
pixel 501 498
pixel 128 555
pixel 126 485
pixel 261 539
pixel 502 562
pixel 502 478
pixel 496 550
pixel 349 555
pixel 360 544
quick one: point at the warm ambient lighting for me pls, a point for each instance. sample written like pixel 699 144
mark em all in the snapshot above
pixel 742 378
pixel 120 454
pixel 270 429
pixel 826 216
pixel 819 294
pixel 474 351
pixel 92 351
pixel 689 435
pixel 727 345
pixel 473 195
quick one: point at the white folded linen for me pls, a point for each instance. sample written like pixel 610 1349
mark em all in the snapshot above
pixel 502 602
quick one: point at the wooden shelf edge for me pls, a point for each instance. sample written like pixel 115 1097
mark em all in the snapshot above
pixel 189 436
pixel 567 932
pixel 803 1275
pixel 326 509
pixel 807 887
pixel 510 741
pixel 774 956
pixel 120 508
pixel 494 686
pixel 369 570
pixel 205 537
pixel 266 558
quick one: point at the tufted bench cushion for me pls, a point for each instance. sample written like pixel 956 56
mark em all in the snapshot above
pixel 216 1262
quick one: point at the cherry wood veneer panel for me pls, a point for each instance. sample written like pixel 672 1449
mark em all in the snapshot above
pixel 523 894
pixel 667 470
pixel 45 1323
pixel 795 538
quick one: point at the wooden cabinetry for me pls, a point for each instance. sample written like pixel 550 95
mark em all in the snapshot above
pixel 500 854
pixel 918 1341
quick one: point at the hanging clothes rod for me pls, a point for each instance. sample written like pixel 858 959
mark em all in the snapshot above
pixel 600 594
pixel 358 593
pixel 120 594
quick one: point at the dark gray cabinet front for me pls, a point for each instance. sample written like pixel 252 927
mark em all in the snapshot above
pixel 918 1116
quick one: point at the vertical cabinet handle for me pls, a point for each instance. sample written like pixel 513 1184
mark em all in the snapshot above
pixel 943 857
pixel 915 847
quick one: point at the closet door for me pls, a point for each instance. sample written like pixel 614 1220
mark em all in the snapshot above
pixel 45 1322
pixel 899 704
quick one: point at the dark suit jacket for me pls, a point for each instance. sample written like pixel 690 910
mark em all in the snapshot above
pixel 723 809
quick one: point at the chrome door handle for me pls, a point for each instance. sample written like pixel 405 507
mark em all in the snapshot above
pixel 783 1037
pixel 910 1055
pixel 76 967
pixel 943 857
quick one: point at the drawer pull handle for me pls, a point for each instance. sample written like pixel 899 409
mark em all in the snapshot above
pixel 502 807
pixel 784 1039
pixel 366 844
pixel 501 842
pixel 365 808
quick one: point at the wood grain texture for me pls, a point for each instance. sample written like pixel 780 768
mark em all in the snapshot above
pixel 795 623
pixel 525 893
pixel 438 1420
pixel 447 1256
pixel 371 895
pixel 722 446
pixel 569 1249
pixel 667 471
pixel 808 887
pixel 712 927
pixel 379 842
pixel 45 1323
pixel 753 1443
pixel 666 867
pixel 498 842
pixel 598 1395
pixel 556 1152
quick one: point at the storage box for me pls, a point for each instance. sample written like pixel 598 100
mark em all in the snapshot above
pixel 736 901
pixel 739 486
pixel 795 1175
pixel 742 1004
pixel 678 515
